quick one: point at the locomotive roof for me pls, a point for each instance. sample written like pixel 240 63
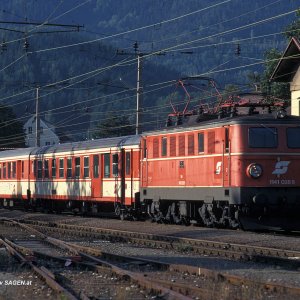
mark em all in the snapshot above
pixel 257 119
pixel 131 140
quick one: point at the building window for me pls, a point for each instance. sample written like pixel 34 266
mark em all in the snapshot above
pixel 77 167
pixel 53 168
pixel 86 167
pixel 41 130
pixel 128 163
pixel 69 167
pixel 47 143
pixel 61 168
pixel 164 146
pixel 46 168
pixel 96 166
pixel 106 165
pixel 29 130
pixel 200 142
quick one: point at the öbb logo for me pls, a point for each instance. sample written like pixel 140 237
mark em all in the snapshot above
pixel 281 167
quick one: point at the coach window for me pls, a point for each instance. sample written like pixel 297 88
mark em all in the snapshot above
pixel 46 168
pixel 106 165
pixel 9 170
pixel 293 134
pixel 61 168
pixel 39 169
pixel 14 169
pixel 0 171
pixel 128 163
pixel 69 167
pixel 200 142
pixel 115 165
pixel 164 146
pixel 263 137
pixel 4 170
pixel 86 167
pixel 96 166
pixel 77 167
pixel 53 168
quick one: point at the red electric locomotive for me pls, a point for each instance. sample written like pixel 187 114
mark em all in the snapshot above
pixel 241 170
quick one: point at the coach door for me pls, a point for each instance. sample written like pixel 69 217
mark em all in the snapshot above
pixel 96 178
pixel 17 172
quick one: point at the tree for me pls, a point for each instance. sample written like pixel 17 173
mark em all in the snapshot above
pixel 11 130
pixel 293 30
pixel 114 125
pixel 272 56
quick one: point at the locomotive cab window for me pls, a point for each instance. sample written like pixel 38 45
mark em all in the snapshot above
pixel 293 134
pixel 263 137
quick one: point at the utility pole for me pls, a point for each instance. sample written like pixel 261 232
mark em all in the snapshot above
pixel 37 120
pixel 139 92
pixel 139 88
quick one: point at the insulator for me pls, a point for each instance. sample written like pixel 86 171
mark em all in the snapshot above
pixel 26 45
pixel 135 46
pixel 238 50
pixel 3 46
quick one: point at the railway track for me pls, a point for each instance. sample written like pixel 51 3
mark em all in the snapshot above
pixel 159 276
pixel 288 258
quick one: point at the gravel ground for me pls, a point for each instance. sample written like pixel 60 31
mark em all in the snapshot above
pixel 19 282
pixel 255 271
pixel 221 235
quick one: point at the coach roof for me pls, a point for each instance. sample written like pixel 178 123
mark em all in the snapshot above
pixel 131 140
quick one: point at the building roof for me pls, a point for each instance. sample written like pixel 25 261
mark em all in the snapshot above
pixel 288 63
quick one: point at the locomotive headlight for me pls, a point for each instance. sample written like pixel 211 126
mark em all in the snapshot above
pixel 254 170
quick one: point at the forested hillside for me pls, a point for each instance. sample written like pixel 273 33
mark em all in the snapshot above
pixel 82 78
